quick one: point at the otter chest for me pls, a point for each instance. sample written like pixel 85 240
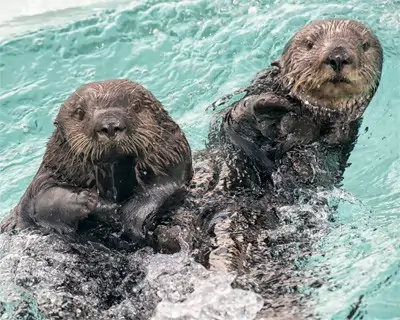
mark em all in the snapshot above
pixel 116 181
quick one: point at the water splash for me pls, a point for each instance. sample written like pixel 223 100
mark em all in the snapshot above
pixel 189 291
pixel 190 53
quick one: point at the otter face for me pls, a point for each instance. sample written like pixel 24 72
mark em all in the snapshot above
pixel 334 64
pixel 105 120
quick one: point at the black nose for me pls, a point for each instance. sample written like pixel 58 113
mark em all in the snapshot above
pixel 110 127
pixel 338 58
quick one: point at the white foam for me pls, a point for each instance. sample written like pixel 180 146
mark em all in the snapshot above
pixel 22 16
pixel 189 292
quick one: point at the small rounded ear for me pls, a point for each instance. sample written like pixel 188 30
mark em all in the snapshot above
pixel 276 63
pixel 56 120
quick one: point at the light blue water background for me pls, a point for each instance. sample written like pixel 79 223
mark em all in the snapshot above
pixel 190 53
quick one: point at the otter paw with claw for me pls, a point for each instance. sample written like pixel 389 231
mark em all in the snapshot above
pixel 84 203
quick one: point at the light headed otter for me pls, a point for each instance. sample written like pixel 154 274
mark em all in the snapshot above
pixel 333 64
pixel 316 92
pixel 289 135
pixel 113 143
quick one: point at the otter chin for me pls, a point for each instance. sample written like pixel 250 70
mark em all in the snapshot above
pixel 114 149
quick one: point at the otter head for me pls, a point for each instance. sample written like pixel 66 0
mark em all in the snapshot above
pixel 333 64
pixel 106 120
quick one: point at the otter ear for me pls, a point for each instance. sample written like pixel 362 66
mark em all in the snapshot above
pixel 276 63
pixel 56 121
pixel 59 135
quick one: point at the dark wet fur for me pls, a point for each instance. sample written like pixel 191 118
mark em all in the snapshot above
pixel 154 162
pixel 240 218
pixel 255 169
pixel 232 215
pixel 92 267
pixel 56 277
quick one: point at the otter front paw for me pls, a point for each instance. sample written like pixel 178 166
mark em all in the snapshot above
pixel 269 105
pixel 84 203
pixel 61 209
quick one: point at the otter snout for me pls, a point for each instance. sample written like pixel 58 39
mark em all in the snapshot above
pixel 109 124
pixel 338 57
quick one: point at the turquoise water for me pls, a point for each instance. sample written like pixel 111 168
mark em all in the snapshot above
pixel 190 53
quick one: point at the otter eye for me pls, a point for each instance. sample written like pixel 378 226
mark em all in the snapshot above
pixel 79 114
pixel 309 44
pixel 365 46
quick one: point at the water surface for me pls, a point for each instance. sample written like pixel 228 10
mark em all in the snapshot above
pixel 190 53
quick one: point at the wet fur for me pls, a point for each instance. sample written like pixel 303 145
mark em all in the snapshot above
pixel 308 77
pixel 271 153
pixel 238 202
pixel 154 163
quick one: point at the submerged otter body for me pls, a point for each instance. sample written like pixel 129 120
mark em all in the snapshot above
pixel 115 156
pixel 288 137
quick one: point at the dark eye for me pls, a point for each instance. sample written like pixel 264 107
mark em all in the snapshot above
pixel 79 114
pixel 309 44
pixel 365 46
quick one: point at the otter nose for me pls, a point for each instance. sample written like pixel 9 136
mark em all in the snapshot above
pixel 110 127
pixel 338 58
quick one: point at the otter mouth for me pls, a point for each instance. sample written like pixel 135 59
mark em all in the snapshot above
pixel 110 155
pixel 339 79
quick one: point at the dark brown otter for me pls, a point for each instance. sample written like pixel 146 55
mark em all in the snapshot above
pixel 288 136
pixel 113 144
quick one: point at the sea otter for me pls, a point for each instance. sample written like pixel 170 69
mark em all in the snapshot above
pixel 290 135
pixel 316 93
pixel 115 155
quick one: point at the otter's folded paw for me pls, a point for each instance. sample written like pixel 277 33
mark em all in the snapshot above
pixel 269 105
pixel 263 106
pixel 8 224
pixel 82 204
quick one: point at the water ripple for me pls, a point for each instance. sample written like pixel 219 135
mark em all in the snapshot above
pixel 190 53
